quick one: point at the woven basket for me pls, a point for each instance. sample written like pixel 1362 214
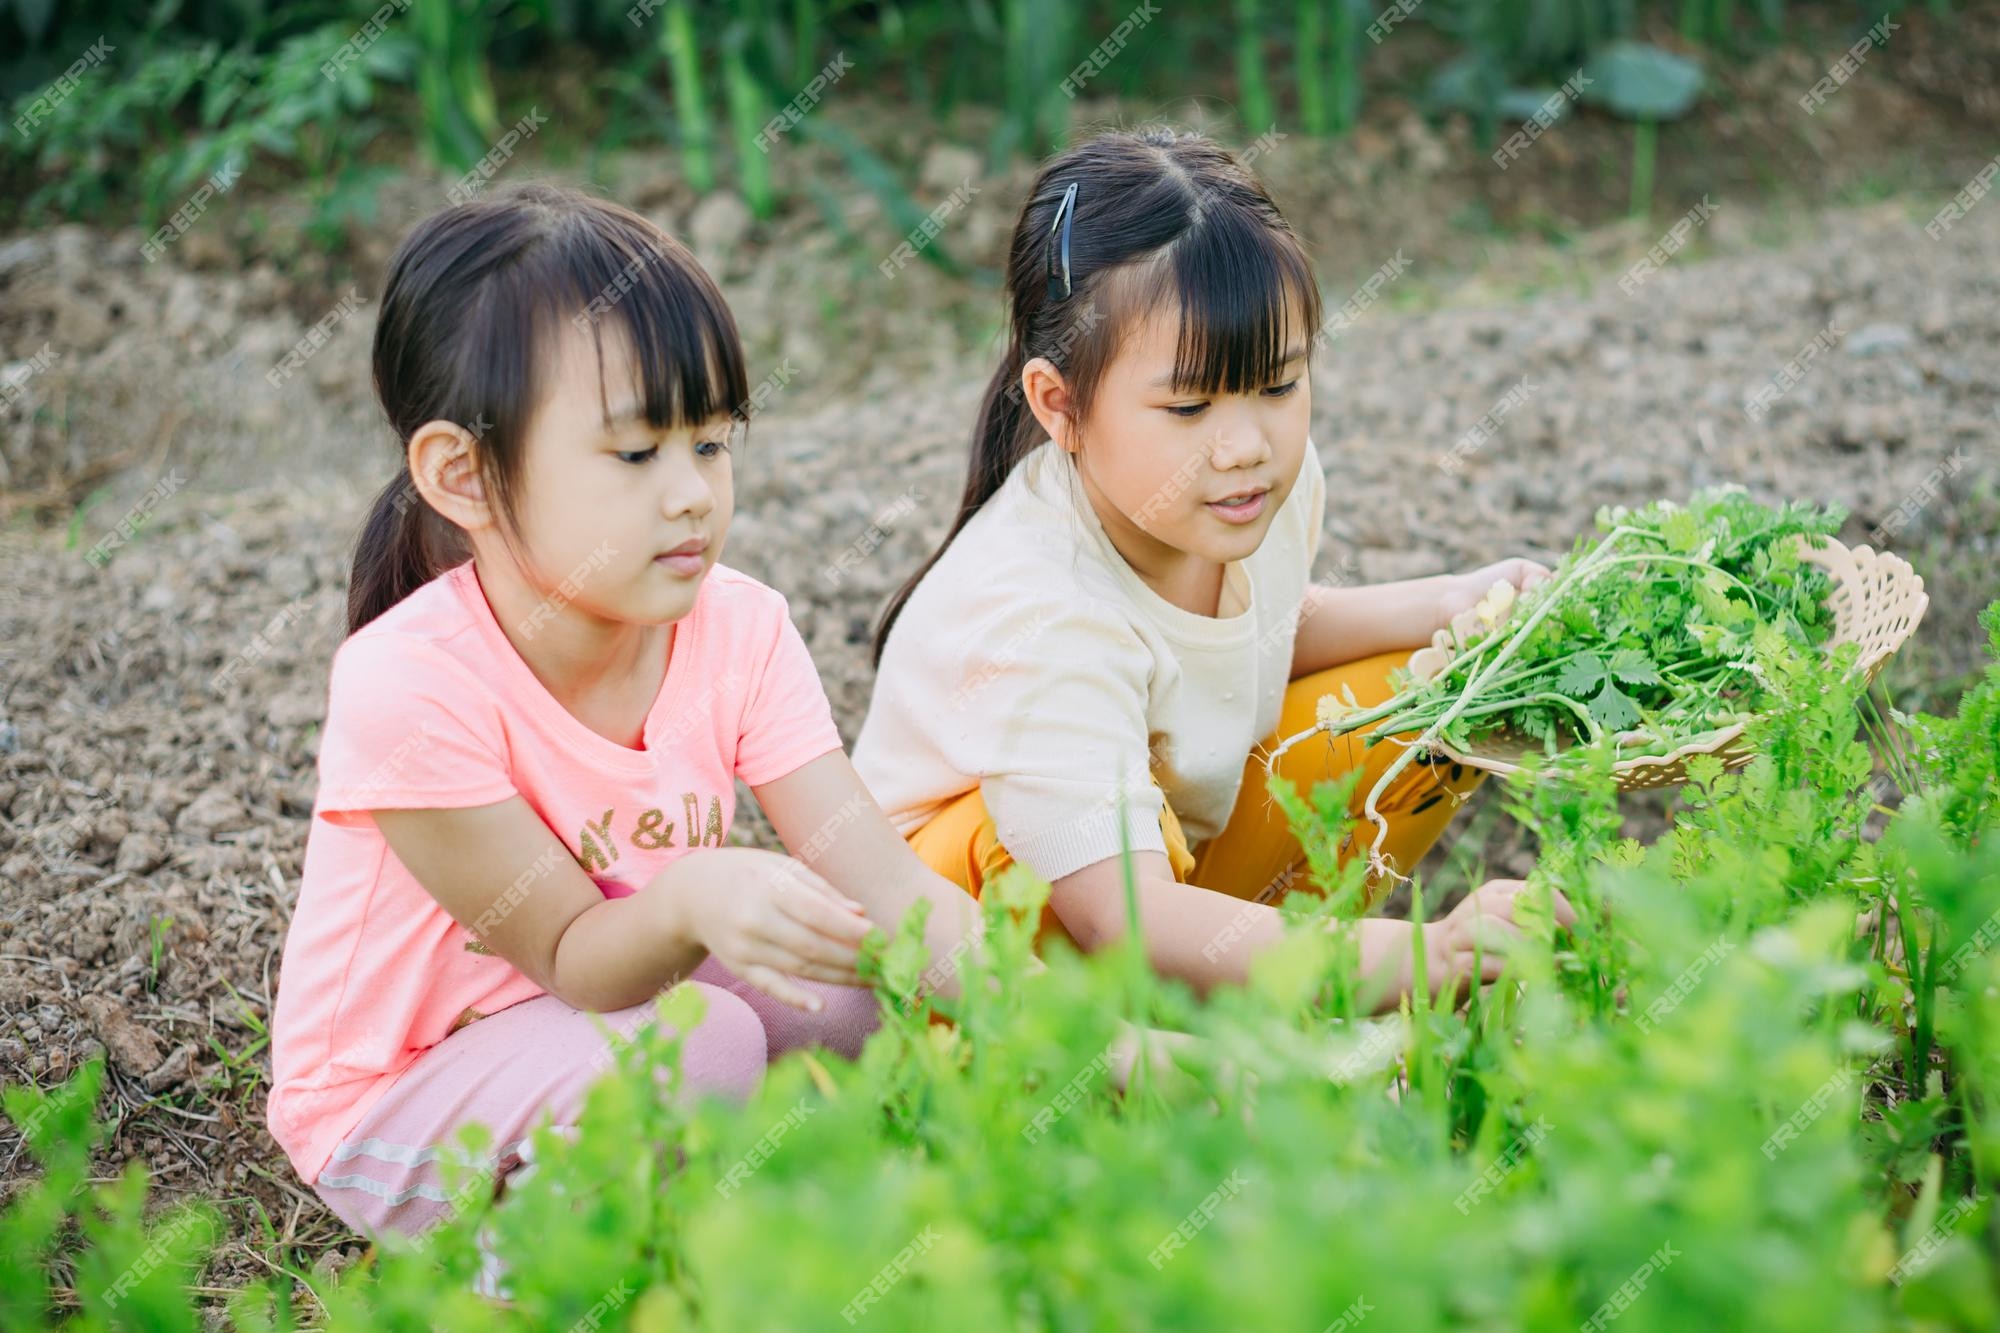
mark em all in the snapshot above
pixel 1876 599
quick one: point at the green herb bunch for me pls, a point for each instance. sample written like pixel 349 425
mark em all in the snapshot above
pixel 1642 639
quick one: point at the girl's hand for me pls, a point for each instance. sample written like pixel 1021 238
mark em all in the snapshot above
pixel 1464 592
pixel 777 922
pixel 1483 920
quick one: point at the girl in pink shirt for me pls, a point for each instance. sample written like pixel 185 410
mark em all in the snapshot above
pixel 534 728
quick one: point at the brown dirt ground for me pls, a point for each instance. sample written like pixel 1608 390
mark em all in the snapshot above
pixel 152 823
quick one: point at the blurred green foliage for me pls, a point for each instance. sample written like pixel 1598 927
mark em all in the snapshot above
pixel 185 88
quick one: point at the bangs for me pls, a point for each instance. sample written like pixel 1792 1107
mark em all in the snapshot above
pixel 649 291
pixel 1247 299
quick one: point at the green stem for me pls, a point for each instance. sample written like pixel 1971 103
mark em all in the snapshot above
pixel 1253 93
pixel 1586 569
pixel 684 61
pixel 1645 136
pixel 1591 727
pixel 1312 95
pixel 1344 68
pixel 805 42
pixel 746 107
pixel 1923 985
pixel 1420 994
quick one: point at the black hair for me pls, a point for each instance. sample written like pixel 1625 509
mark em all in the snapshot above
pixel 477 300
pixel 1160 216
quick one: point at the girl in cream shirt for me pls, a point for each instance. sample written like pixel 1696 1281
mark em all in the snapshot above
pixel 1122 620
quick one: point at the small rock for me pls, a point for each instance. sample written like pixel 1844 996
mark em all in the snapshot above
pixel 206 248
pixel 296 798
pixel 75 245
pixel 718 226
pixel 172 1070
pixel 295 708
pixel 110 829
pixel 947 167
pixel 262 342
pixel 185 300
pixel 1860 426
pixel 649 180
pixel 332 375
pixel 1874 339
pixel 1621 474
pixel 80 326
pixel 263 286
pixel 131 1047
pixel 140 853
pixel 1370 145
pixel 214 811
pixel 329 1265
pixel 1427 153
pixel 290 575
pixel 1936 320
pixel 26 252
pixel 1566 337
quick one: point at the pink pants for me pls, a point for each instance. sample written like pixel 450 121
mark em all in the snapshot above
pixel 505 1070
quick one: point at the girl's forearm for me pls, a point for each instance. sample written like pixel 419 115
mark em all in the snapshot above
pixel 868 861
pixel 950 931
pixel 624 951
pixel 1209 939
pixel 1339 625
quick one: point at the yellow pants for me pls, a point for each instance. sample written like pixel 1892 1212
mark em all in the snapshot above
pixel 1256 853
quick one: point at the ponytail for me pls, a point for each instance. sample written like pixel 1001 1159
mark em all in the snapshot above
pixel 1005 434
pixel 403 545
pixel 1155 218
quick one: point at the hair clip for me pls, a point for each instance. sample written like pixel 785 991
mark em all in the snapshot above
pixel 1065 215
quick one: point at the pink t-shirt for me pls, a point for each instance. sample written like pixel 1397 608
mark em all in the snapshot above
pixel 430 706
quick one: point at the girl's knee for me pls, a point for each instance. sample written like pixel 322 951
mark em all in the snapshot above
pixel 848 1015
pixel 725 1053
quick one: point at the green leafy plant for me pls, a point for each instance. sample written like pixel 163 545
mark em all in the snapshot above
pixel 156 945
pixel 200 93
pixel 1645 84
pixel 173 118
pixel 1754 1086
pixel 126 1273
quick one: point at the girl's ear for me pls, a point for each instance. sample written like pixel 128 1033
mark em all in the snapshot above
pixel 1048 397
pixel 443 459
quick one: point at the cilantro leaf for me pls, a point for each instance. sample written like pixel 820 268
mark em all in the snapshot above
pixel 1581 674
pixel 1614 709
pixel 1634 667
pixel 1682 531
